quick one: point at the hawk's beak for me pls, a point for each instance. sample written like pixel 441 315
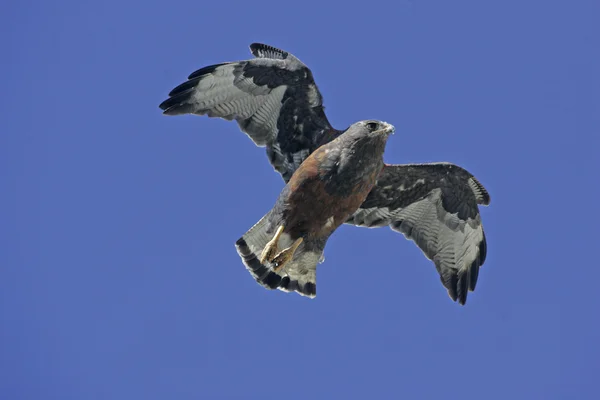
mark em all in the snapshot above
pixel 388 129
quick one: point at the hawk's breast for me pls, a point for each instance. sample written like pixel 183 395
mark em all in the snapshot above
pixel 313 209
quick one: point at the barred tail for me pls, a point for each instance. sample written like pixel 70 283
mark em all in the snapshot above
pixel 299 275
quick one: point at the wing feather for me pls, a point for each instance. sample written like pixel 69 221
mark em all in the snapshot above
pixel 273 98
pixel 434 205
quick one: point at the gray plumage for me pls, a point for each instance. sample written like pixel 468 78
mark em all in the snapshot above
pixel 276 102
pixel 435 205
pixel 321 195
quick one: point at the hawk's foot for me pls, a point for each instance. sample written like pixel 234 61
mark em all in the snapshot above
pixel 271 249
pixel 285 255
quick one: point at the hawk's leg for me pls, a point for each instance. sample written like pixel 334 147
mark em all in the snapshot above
pixel 285 255
pixel 271 249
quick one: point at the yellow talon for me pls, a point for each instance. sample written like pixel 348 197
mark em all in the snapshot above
pixel 285 255
pixel 270 250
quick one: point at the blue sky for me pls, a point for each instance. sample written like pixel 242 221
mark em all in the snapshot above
pixel 118 273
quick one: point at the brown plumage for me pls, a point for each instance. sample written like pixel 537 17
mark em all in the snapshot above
pixel 276 102
pixel 321 195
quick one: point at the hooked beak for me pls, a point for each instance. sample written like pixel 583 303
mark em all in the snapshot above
pixel 388 129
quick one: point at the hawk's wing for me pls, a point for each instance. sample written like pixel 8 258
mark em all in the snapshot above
pixel 273 98
pixel 435 205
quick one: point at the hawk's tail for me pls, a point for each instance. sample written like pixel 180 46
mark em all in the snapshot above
pixel 299 275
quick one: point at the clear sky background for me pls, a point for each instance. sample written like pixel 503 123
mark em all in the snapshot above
pixel 118 273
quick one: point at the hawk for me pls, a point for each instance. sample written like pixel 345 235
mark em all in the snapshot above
pixel 333 176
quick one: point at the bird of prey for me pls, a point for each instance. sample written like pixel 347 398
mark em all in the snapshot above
pixel 333 176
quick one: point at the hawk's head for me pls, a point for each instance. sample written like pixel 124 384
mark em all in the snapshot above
pixel 368 136
pixel 359 150
pixel 370 129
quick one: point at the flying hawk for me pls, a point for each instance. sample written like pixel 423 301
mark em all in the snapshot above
pixel 333 176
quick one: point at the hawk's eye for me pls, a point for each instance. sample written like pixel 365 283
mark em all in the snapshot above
pixel 372 126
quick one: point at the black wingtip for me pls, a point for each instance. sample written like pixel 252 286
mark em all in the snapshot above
pixel 462 286
pixel 178 99
pixel 261 50
pixel 186 86
pixel 450 283
pixel 462 282
pixel 205 70
pixel 178 102
pixel 467 280
pixel 474 274
pixel 482 248
pixel 481 194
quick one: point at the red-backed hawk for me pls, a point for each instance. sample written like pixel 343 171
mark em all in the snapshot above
pixel 333 176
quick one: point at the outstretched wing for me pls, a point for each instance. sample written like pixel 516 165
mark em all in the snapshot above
pixel 435 205
pixel 273 98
